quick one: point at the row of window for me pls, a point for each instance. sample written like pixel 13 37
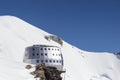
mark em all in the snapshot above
pixel 48 61
pixel 45 54
pixel 47 49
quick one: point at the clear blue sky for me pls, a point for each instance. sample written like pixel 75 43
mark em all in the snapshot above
pixel 92 25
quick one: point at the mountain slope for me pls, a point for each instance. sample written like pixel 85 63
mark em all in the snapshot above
pixel 16 34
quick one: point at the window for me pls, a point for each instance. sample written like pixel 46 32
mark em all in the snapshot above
pixel 54 61
pixel 37 61
pixel 48 48
pixel 57 61
pixel 46 61
pixel 45 54
pixel 60 61
pixel 33 49
pixel 41 61
pixel 41 49
pixel 33 54
pixel 50 61
pixel 41 54
pixel 58 49
pixel 45 48
pixel 59 54
pixel 37 54
pixel 53 54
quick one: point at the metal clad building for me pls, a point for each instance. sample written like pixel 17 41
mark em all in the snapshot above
pixel 50 55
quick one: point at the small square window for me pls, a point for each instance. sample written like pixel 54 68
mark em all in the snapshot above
pixel 60 61
pixel 37 54
pixel 41 49
pixel 41 61
pixel 50 61
pixel 33 54
pixel 37 61
pixel 45 48
pixel 45 54
pixel 33 49
pixel 41 54
pixel 54 61
pixel 46 61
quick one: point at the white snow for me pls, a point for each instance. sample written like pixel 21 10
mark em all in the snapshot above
pixel 16 34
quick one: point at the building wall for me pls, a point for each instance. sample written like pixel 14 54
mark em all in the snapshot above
pixel 38 54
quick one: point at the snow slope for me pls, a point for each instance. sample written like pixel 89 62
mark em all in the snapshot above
pixel 16 34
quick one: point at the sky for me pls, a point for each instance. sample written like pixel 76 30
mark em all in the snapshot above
pixel 91 25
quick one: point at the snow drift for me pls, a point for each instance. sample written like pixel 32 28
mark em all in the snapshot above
pixel 16 35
